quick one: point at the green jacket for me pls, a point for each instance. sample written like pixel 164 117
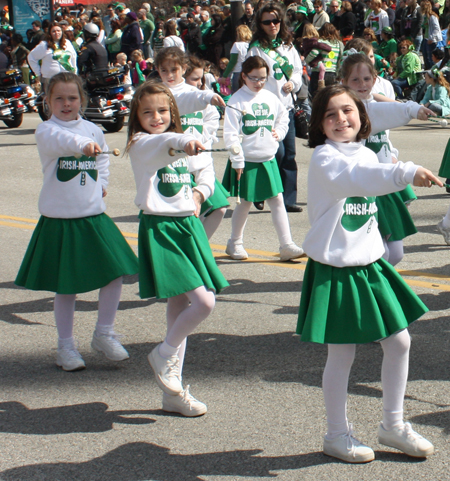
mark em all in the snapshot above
pixel 147 28
pixel 409 65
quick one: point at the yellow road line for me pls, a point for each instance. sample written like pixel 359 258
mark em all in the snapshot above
pixel 299 264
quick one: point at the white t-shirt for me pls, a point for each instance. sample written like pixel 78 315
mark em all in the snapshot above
pixel 240 48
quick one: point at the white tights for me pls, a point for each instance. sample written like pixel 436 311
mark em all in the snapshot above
pixel 212 221
pixel 394 375
pixel 108 302
pixel 184 313
pixel 280 220
pixel 393 251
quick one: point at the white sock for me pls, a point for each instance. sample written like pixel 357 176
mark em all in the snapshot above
pixel 212 221
pixel 166 350
pixel 335 386
pixel 394 376
pixel 446 219
pixel 280 219
pixel 238 221
pixel 108 302
pixel 64 310
pixel 68 343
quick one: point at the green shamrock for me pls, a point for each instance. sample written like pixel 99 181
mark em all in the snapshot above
pixel 70 167
pixel 357 212
pixel 173 178
pixel 192 121
pixel 63 57
pixel 260 120
pixel 377 142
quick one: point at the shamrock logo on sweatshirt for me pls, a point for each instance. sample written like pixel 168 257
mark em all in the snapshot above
pixel 260 120
pixel 357 212
pixel 69 167
pixel 173 178
pixel 192 121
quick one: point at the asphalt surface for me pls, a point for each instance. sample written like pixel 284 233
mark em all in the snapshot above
pixel 266 417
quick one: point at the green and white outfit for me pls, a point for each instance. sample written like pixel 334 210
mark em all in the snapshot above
pixel 263 112
pixel 203 125
pixel 394 220
pixel 174 253
pixel 46 62
pixel 349 294
pixel 75 247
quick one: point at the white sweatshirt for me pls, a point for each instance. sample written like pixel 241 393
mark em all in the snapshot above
pixel 343 180
pixel 163 182
pixel 263 112
pixel 42 62
pixel 203 125
pixel 190 99
pixel 72 186
pixel 276 78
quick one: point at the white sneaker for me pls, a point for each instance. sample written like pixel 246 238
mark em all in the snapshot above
pixel 445 231
pixel 110 346
pixel 405 439
pixel 236 251
pixel 183 403
pixel 347 448
pixel 69 359
pixel 167 372
pixel 291 251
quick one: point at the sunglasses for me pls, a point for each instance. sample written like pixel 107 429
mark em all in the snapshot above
pixel 275 21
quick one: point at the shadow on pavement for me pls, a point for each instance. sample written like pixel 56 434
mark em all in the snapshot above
pixel 93 417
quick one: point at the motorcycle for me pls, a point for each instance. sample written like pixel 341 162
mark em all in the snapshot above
pixel 108 97
pixel 15 97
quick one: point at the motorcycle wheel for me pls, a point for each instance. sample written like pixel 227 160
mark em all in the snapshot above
pixel 43 111
pixel 16 121
pixel 114 126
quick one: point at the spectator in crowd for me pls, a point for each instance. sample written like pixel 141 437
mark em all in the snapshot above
pixel 388 46
pixel 147 27
pixel 131 35
pixel 157 41
pixel 149 14
pixel 171 38
pixel 359 12
pixel 431 32
pixel 377 19
pixel 102 35
pixel 333 13
pixel 38 35
pixel 110 15
pixel 212 40
pixel 407 66
pixel 113 42
pixel 302 20
pixel 320 17
pixel 386 6
pixel 347 22
pixel 205 22
pixel 192 35
pixel 249 15
pixel 19 54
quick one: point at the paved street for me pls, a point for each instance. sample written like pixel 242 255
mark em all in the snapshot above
pixel 266 417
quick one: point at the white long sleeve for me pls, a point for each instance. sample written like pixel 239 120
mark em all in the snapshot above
pixel 191 101
pixel 73 183
pixel 388 115
pixel 343 180
pixel 263 112
pixel 43 64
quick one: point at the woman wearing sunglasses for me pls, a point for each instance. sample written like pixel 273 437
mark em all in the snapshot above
pixel 273 42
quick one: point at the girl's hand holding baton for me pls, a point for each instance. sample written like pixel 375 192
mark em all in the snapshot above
pixel 194 147
pixel 425 178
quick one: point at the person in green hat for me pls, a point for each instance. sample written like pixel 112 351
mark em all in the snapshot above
pixel 388 46
pixel 302 20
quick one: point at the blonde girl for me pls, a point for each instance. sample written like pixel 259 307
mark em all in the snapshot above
pixel 175 260
pixel 76 247
pixel 350 295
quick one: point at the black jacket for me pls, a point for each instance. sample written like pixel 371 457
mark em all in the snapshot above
pixel 93 56
pixel 192 37
pixel 131 39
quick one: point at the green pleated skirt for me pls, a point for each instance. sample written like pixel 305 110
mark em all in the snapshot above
pixel 444 169
pixel 355 305
pixel 394 220
pixel 71 256
pixel 259 181
pixel 175 257
pixel 408 195
pixel 218 200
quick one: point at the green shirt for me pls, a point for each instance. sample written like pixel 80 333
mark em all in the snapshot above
pixel 147 28
pixel 386 48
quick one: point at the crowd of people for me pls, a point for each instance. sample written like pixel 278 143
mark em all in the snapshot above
pixel 342 63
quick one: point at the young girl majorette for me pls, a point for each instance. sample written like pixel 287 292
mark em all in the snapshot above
pixel 214 208
pixel 76 247
pixel 253 175
pixel 197 110
pixel 394 221
pixel 350 294
pixel 175 260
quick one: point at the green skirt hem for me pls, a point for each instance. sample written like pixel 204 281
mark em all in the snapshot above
pixel 355 305
pixel 72 256
pixel 259 181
